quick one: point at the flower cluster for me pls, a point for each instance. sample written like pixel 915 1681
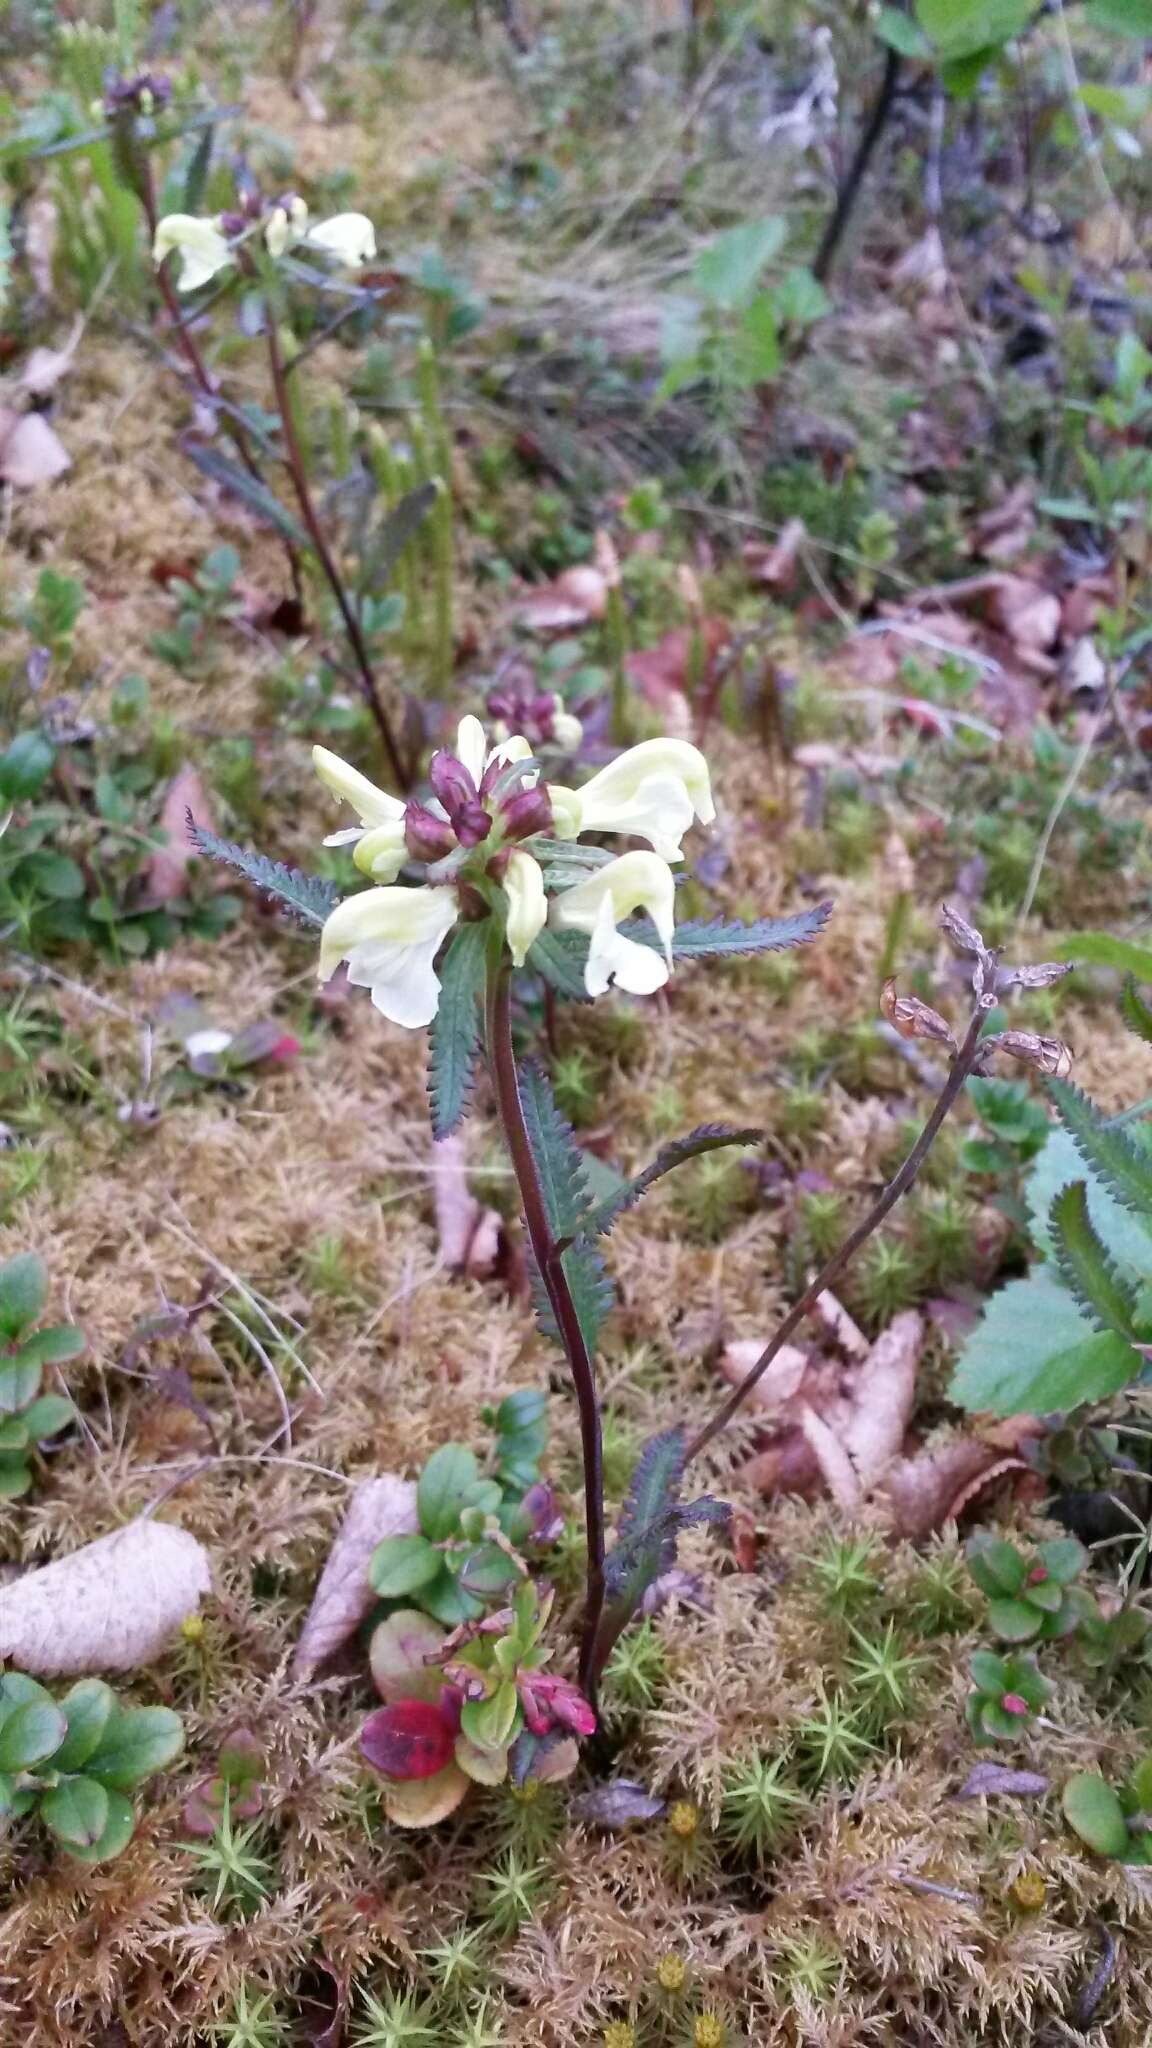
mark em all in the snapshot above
pixel 206 247
pixel 471 1707
pixel 495 838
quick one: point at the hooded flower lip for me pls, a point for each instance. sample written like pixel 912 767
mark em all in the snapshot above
pixel 390 939
pixel 202 248
pixel 636 881
pixel 652 791
pixel 349 237
pixel 527 905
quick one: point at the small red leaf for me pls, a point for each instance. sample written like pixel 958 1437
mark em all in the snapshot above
pixel 411 1739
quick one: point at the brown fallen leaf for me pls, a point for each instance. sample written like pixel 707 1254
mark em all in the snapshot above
pixel 777 1383
pixel 774 566
pixel 577 597
pixel 378 1508
pixel 882 1399
pixel 30 452
pixel 43 368
pixel 110 1606
pixel 934 1486
pixel 167 872
pixel 469 1235
pixel 1027 613
pixel 839 1473
pixel 680 664
pixel 988 1779
pixel 1004 531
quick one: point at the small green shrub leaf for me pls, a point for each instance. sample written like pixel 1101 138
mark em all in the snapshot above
pixel 53 1345
pixel 1093 1811
pixel 87 1707
pixel 20 1379
pixel 118 1831
pixel 47 1417
pixel 402 1564
pixel 442 1490
pixel 76 1810
pixel 30 1733
pixel 23 1292
pixel 136 1742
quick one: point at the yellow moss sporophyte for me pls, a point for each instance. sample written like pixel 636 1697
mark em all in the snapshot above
pixel 493 836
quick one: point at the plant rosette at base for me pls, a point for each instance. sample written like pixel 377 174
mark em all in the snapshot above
pixel 474 1706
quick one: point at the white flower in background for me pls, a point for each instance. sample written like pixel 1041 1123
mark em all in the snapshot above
pixel 636 881
pixel 204 249
pixel 652 792
pixel 484 801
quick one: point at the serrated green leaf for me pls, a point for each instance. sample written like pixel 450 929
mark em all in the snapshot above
pixel 1127 1236
pixel 555 1152
pixel 1135 1011
pixel 454 1039
pixel 560 958
pixel 232 477
pixel 1125 1169
pixel 1103 949
pixel 715 938
pixel 23 1292
pixel 310 899
pixel 650 1521
pixel 705 1138
pixel 1033 1353
pixel 196 176
pixel 76 1811
pixel 1087 1271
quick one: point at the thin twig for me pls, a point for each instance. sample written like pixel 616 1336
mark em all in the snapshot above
pixel 1060 803
pixel 902 1180
pixel 853 180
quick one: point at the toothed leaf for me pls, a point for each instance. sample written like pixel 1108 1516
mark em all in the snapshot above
pixel 703 939
pixel 1085 1266
pixel 310 899
pixel 454 1039
pixel 1033 1353
pixel 559 958
pixel 1135 1011
pixel 1126 1169
pixel 593 1295
pixel 650 1521
pixel 705 1138
pixel 220 469
pixel 558 1162
pixel 393 534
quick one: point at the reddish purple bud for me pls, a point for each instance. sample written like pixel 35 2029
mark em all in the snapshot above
pixel 1037 1575
pixel 451 782
pixel 472 824
pixel 548 1702
pixel 426 836
pixel 545 1523
pixel 410 1739
pixel 1014 1703
pixel 530 810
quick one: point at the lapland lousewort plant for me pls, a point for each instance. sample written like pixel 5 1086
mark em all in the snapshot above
pixel 206 247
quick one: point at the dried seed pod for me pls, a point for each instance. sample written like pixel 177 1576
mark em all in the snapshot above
pixel 912 1018
pixel 1049 1055
pixel 964 936
pixel 1041 976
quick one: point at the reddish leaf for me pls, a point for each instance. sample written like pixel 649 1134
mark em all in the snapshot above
pixel 168 867
pixel 411 1739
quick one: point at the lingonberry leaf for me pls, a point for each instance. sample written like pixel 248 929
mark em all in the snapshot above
pixel 410 1739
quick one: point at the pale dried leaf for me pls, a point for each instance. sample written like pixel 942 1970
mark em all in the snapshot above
pixel 469 1235
pixel 422 1802
pixel 111 1606
pixel 836 1466
pixel 44 367
pixel 882 1398
pixel 837 1321
pixel 777 1383
pixel 30 452
pixel 775 566
pixel 167 876
pixel 1029 614
pixel 378 1508
pixel 912 1018
pixel 578 597
pixel 617 1804
pixel 605 557
pixel 988 1778
pixel 964 936
pixel 924 265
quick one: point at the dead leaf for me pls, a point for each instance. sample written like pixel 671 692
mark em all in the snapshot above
pixel 167 874
pixel 469 1235
pixel 988 1778
pixel 578 597
pixel 30 452
pixel 924 265
pixel 777 1383
pixel 1029 614
pixel 378 1508
pixel 882 1398
pixel 44 367
pixel 1004 531
pixel 840 1325
pixel 837 1468
pixel 616 1804
pixel 683 662
pixel 775 566
pixel 111 1606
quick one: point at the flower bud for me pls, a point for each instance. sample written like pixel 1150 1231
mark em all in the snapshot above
pixel 1014 1703
pixel 451 782
pixel 472 823
pixel 426 836
pixel 529 811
